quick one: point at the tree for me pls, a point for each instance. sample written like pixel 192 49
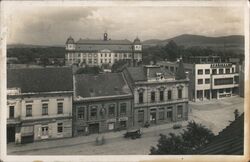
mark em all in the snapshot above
pixel 172 51
pixel 172 145
pixel 196 136
pixel 118 65
pixel 190 141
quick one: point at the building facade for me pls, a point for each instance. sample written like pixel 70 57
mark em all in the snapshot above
pixel 102 52
pixel 158 96
pixel 210 77
pixel 39 108
pixel 102 103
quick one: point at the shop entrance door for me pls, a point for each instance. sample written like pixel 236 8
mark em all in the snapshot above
pixel 11 131
pixel 153 117
pixel 94 128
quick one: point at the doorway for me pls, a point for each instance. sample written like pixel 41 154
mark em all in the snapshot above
pixel 94 128
pixel 11 132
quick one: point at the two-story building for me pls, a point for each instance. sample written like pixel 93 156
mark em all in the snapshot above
pixel 39 104
pixel 102 103
pixel 106 51
pixel 159 96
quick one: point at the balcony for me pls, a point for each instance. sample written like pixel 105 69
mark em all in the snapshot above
pixel 159 103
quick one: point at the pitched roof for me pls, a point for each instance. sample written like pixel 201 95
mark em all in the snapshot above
pixel 102 42
pixel 229 141
pixel 147 72
pixel 99 47
pixel 35 80
pixel 107 84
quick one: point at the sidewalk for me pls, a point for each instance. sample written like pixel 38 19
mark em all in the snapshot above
pixel 66 142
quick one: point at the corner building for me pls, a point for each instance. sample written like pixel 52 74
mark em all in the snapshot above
pixel 159 97
pixel 39 104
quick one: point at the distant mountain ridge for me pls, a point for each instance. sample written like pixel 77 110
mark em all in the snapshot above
pixel 186 40
pixel 198 40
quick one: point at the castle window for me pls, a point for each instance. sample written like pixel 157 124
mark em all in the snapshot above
pixel 140 97
pixel 161 95
pixel 152 96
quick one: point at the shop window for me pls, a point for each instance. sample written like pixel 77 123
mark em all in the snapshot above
pixel 161 114
pixel 80 112
pixel 179 111
pixel 93 113
pixel 123 108
pixel 140 116
pixel 111 110
pixel 169 112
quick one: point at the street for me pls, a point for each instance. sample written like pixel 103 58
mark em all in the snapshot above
pixel 215 115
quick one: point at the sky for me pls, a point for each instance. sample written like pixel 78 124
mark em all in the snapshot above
pixel 52 25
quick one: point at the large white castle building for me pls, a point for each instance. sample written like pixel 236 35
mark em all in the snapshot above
pixel 95 52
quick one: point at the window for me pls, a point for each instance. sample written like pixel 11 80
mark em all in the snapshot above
pixel 93 113
pixel 179 111
pixel 11 111
pixel 214 71
pixel 59 127
pixel 223 81
pixel 232 70
pixel 179 93
pixel 140 97
pixel 123 108
pixel 200 71
pixel 140 116
pixel 161 95
pixel 207 81
pixel 152 96
pixel 116 55
pixel 169 94
pixel 200 81
pixel 220 71
pixel 169 112
pixel 207 71
pixel 221 90
pixel 45 130
pixel 59 108
pixel 236 79
pixel 111 110
pixel 101 54
pixel 101 61
pixel 44 109
pixel 28 110
pixel 171 68
pixel 90 61
pixel 227 71
pixel 105 55
pixel 161 114
pixel 228 90
pixel 80 112
pixel 125 55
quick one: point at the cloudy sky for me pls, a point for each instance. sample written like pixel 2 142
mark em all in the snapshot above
pixel 53 25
